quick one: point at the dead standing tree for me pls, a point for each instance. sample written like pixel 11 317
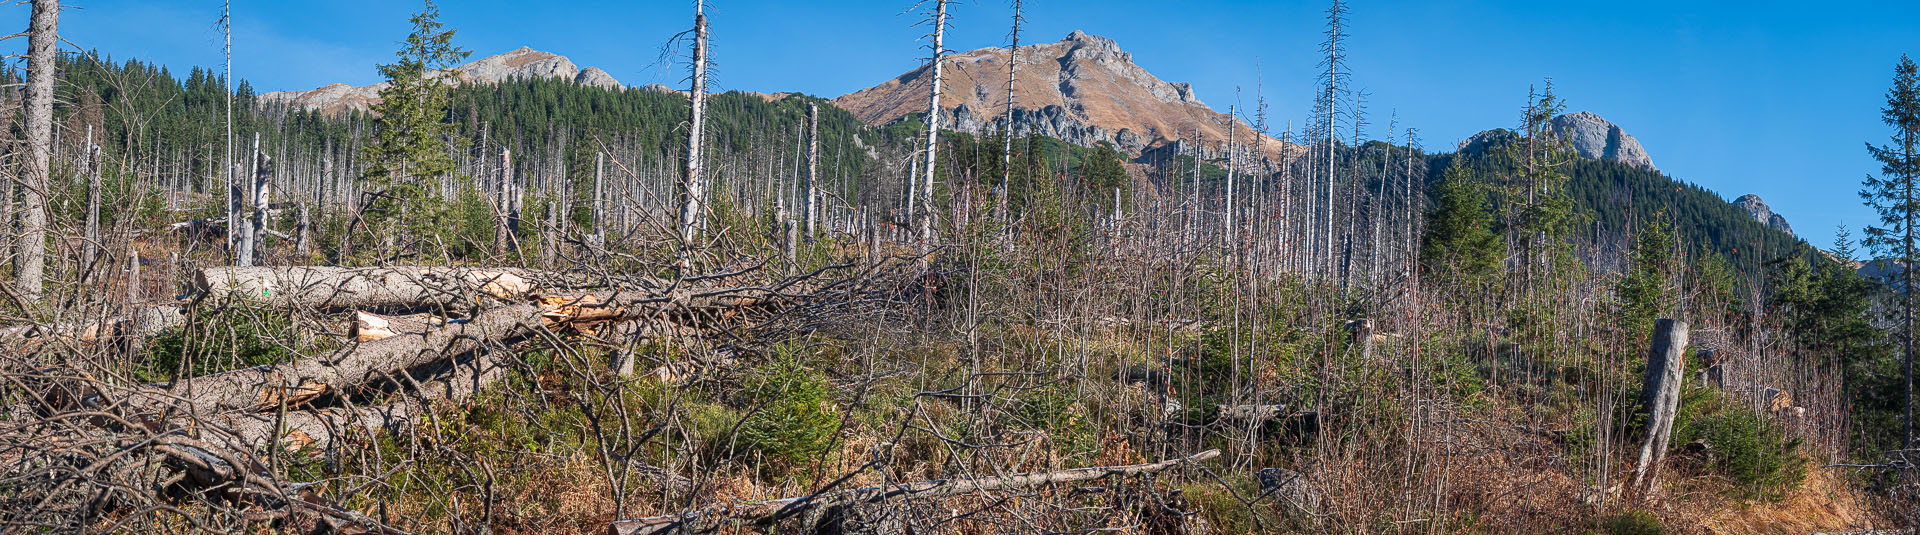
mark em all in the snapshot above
pixel 936 60
pixel 30 260
pixel 1006 148
pixel 693 210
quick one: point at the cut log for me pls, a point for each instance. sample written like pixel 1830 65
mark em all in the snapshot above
pixel 1660 394
pixel 767 512
pixel 320 287
pixel 367 327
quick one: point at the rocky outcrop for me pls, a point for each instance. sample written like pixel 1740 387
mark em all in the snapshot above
pixel 1486 140
pixel 1596 138
pixel 1762 213
pixel 521 63
pixel 1587 134
pixel 1082 89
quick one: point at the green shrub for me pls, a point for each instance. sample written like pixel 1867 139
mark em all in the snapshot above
pixel 226 339
pixel 1057 411
pixel 795 419
pixel 1760 458
pixel 1631 523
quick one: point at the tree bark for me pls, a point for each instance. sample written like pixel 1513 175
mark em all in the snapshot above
pixel 693 213
pixel 1660 394
pixel 293 383
pixel 30 260
pixel 933 123
pixel 243 254
pixel 262 190
pixel 813 168
pixel 319 430
pixel 90 249
pixel 324 287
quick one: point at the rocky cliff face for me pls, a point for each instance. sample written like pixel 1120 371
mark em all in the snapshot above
pixel 1596 138
pixel 1082 89
pixel 1588 134
pixel 1762 213
pixel 520 63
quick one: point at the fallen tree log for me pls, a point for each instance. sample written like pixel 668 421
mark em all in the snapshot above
pixel 367 327
pixel 768 512
pixel 315 430
pixel 1254 414
pixel 322 287
pixel 294 383
pixel 142 323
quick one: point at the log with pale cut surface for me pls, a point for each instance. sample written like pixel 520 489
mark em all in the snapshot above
pixel 324 287
pixel 367 327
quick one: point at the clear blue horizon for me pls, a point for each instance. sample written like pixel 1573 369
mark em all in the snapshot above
pixel 1771 98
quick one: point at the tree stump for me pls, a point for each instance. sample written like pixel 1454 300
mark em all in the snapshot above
pixel 1660 394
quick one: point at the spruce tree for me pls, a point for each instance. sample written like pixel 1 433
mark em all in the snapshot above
pixel 413 136
pixel 1460 250
pixel 1643 293
pixel 1892 195
pixel 1843 244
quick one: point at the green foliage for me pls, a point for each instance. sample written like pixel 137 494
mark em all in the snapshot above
pixel 1827 309
pixel 1761 459
pixel 1888 194
pixel 412 136
pixel 1635 522
pixel 1460 249
pixel 1057 411
pixel 1643 293
pixel 223 339
pixel 794 419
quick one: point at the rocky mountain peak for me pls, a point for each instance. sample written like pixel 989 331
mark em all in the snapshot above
pixel 516 64
pixel 1594 137
pixel 1083 89
pixel 1762 213
pixel 1588 134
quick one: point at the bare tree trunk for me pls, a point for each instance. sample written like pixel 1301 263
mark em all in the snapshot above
pixel 598 236
pixel 90 250
pixel 1006 149
pixel 813 168
pixel 133 276
pixel 1233 127
pixel 226 161
pixel 502 232
pixel 30 260
pixel 326 287
pixel 693 213
pixel 243 253
pixel 933 123
pixel 262 190
pixel 304 239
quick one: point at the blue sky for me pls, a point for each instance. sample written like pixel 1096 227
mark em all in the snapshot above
pixel 1767 97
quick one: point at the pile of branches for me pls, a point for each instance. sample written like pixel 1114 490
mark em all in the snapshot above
pixel 85 447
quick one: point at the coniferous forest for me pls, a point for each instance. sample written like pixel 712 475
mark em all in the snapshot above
pixel 535 305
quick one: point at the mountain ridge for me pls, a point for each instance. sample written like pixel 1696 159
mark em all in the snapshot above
pixel 1082 89
pixel 523 62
